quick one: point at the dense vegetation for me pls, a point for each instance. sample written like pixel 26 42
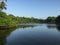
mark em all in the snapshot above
pixel 11 20
pixel 58 20
pixel 50 19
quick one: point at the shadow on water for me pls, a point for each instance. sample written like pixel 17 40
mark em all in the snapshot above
pixel 51 26
pixel 58 27
pixel 26 26
pixel 4 33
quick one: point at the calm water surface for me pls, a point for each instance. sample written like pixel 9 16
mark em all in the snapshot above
pixel 40 34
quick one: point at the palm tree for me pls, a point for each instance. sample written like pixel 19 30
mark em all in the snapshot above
pixel 2 5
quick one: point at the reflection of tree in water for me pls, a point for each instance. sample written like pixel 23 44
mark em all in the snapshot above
pixel 26 26
pixel 58 27
pixel 50 26
pixel 5 33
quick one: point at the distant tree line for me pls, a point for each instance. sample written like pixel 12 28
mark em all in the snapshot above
pixel 11 20
pixel 55 20
pixel 50 19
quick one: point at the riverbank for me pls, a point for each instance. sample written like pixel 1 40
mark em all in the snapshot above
pixel 18 26
pixel 7 27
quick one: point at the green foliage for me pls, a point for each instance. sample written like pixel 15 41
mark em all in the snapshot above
pixel 7 20
pixel 11 20
pixel 58 19
pixel 50 19
pixel 3 5
pixel 3 14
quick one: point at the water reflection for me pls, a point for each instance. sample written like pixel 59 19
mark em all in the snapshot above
pixel 4 33
pixel 39 35
pixel 51 26
pixel 35 36
pixel 58 27
pixel 26 26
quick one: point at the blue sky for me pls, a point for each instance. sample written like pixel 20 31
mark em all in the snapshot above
pixel 33 8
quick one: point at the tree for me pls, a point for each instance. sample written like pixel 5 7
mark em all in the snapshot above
pixel 3 5
pixel 50 19
pixel 58 19
pixel 3 14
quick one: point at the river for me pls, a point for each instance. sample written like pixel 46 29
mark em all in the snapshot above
pixel 37 34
